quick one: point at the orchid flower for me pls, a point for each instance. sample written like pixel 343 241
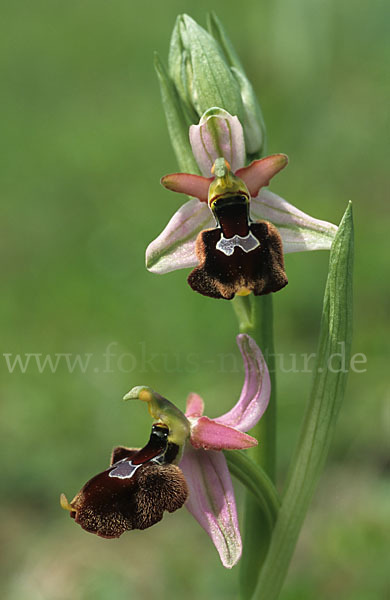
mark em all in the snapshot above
pixel 182 459
pixel 182 243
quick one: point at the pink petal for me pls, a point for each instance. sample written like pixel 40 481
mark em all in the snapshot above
pixel 211 435
pixel 186 183
pixel 195 406
pixel 218 134
pixel 211 501
pixel 298 230
pixel 174 248
pixel 256 390
pixel 259 173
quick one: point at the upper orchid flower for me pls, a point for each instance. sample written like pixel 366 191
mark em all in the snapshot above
pixel 140 485
pixel 240 255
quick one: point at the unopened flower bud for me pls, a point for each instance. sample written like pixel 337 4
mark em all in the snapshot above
pixel 252 121
pixel 200 72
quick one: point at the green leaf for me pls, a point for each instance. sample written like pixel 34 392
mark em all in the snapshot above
pixel 218 32
pixel 321 414
pixel 177 122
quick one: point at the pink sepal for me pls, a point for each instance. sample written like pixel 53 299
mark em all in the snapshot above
pixel 211 501
pixel 174 248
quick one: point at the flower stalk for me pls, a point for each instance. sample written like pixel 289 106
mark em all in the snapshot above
pixel 257 482
pixel 255 316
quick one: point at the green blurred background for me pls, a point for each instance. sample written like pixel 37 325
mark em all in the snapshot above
pixel 84 143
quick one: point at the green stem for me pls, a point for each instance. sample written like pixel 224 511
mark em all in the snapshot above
pixel 257 482
pixel 243 308
pixel 265 431
pixel 255 316
pixel 321 414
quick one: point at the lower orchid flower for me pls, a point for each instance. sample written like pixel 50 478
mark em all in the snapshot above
pixel 244 253
pixel 182 461
pixel 133 492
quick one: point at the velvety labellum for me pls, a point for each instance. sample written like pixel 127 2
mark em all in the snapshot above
pixel 239 256
pixel 134 491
